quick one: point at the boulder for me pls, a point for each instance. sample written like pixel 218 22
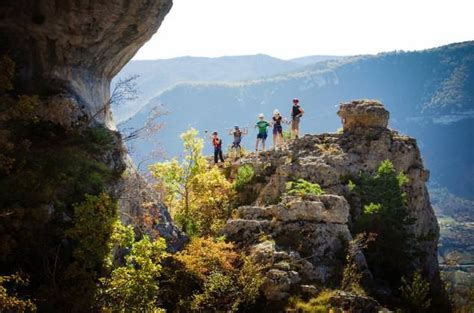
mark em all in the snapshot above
pixel 278 284
pixel 325 208
pixel 363 113
pixel 242 230
pixel 354 303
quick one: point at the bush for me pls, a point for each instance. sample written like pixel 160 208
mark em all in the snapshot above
pixel 415 294
pixel 203 256
pixel 134 286
pixel 286 135
pixel 303 187
pixel 9 299
pixel 245 174
pixel 93 226
pixel 225 280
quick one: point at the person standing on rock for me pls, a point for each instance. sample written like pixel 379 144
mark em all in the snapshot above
pixel 237 133
pixel 277 129
pixel 262 126
pixel 217 143
pixel 296 114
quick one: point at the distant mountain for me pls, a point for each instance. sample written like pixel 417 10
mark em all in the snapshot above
pixel 429 93
pixel 159 75
pixel 308 60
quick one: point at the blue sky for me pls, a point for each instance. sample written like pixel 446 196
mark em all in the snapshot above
pixel 289 29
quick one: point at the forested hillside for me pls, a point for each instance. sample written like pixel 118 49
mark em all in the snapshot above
pixel 155 76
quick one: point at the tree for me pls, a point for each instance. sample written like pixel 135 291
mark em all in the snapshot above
pixel 150 128
pixel 124 90
pixel 198 197
pixel 385 214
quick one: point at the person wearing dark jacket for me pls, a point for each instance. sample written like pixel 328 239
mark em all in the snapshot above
pixel 296 114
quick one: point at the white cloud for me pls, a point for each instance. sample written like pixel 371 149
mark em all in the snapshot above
pixel 288 29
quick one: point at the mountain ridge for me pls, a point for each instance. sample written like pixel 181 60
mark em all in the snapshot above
pixel 157 76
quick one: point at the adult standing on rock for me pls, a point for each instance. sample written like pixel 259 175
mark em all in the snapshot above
pixel 277 128
pixel 296 114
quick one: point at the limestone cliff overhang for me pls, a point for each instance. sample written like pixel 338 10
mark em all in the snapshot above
pixel 76 46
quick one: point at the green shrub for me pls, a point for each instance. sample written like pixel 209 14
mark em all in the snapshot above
pixel 134 286
pixel 303 187
pixel 286 135
pixel 245 174
pixel 93 226
pixel 415 294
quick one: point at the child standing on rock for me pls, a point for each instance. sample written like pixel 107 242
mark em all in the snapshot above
pixel 237 133
pixel 262 126
pixel 217 143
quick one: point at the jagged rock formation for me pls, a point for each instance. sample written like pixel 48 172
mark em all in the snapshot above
pixel 302 237
pixel 67 52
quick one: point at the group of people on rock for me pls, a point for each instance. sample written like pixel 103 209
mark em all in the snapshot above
pixel 262 126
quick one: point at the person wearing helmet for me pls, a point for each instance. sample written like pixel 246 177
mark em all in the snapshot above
pixel 296 114
pixel 262 126
pixel 277 128
pixel 217 143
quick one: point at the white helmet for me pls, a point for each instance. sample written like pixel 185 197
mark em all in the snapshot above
pixel 276 112
pixel 261 115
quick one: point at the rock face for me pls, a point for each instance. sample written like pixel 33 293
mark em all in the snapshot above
pixel 76 47
pixel 306 234
pixel 67 52
pixel 299 240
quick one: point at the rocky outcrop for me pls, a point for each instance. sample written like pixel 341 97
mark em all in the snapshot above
pixel 299 240
pixel 311 231
pixel 67 52
pixel 363 113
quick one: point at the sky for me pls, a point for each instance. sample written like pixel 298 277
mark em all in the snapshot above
pixel 294 28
